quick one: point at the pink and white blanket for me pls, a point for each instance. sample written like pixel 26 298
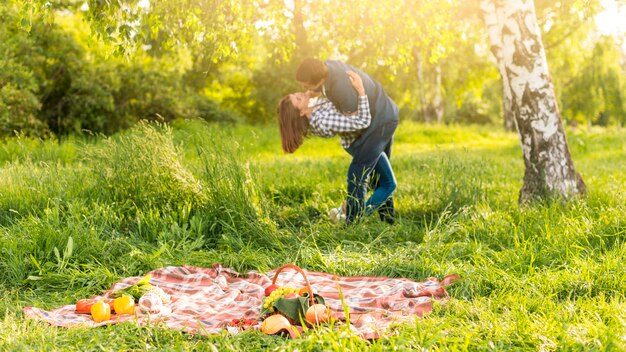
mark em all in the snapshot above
pixel 206 300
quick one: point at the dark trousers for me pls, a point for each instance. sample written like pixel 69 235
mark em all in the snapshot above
pixel 364 159
pixel 386 211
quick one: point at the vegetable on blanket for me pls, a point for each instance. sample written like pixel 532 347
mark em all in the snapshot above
pixel 126 299
pixel 100 311
pixel 136 290
pixel 83 306
pixel 124 305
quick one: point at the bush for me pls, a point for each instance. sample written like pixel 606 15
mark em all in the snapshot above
pixel 142 166
pixel 19 103
pixel 57 79
pixel 18 111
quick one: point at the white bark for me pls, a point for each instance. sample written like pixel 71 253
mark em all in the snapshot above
pixel 438 100
pixel 421 82
pixel 494 20
pixel 516 43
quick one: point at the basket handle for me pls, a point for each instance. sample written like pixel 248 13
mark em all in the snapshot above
pixel 298 269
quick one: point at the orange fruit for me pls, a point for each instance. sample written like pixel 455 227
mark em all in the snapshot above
pixel 304 290
pixel 274 323
pixel 317 313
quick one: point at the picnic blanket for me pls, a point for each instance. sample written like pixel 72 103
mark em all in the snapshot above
pixel 205 300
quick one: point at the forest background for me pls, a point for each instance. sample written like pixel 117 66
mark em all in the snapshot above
pixel 68 67
pixel 90 195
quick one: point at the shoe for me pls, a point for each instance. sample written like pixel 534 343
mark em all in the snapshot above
pixel 387 217
pixel 387 212
pixel 336 215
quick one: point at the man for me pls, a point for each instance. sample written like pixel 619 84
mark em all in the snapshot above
pixel 329 78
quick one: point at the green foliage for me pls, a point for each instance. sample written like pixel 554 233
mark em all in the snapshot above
pixel 55 78
pixel 270 84
pixel 19 108
pixel 596 94
pixel 142 167
pixel 233 60
pixel 19 104
pixel 537 276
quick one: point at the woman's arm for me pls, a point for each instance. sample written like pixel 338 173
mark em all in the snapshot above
pixel 357 82
pixel 328 121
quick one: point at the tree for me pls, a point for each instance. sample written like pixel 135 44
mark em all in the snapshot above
pixel 494 20
pixel 561 22
pixel 595 95
pixel 516 41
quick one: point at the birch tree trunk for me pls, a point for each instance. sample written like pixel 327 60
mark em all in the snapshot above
pixel 438 100
pixel 516 43
pixel 507 112
pixel 494 19
pixel 421 83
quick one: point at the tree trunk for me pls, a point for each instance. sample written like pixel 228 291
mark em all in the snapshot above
pixel 509 118
pixel 494 19
pixel 516 43
pixel 420 83
pixel 437 100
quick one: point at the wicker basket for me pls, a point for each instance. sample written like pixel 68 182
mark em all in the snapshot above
pixel 301 272
pixel 294 309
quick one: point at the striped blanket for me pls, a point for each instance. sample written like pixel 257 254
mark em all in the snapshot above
pixel 206 300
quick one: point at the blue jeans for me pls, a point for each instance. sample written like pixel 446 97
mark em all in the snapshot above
pixel 365 161
pixel 386 184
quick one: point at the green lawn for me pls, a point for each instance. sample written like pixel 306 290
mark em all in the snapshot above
pixel 540 277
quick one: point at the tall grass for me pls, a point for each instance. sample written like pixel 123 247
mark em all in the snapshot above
pixel 77 215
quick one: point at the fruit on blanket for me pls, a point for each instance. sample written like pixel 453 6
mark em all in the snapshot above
pixel 274 323
pixel 242 323
pixel 269 289
pixel 84 305
pixel 317 313
pixel 304 290
pixel 124 305
pixel 100 311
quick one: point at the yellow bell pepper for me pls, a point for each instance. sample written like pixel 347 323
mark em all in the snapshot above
pixel 124 305
pixel 100 311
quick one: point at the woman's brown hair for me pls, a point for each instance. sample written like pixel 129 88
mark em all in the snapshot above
pixel 293 127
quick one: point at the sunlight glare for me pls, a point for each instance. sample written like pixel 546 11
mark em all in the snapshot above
pixel 611 20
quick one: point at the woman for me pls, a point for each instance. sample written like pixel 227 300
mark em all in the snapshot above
pixel 297 117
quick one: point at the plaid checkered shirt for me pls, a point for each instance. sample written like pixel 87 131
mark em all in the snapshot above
pixel 327 121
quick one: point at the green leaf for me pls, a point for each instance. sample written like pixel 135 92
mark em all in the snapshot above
pixel 69 248
pixel 144 280
pixel 25 24
pixel 295 308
